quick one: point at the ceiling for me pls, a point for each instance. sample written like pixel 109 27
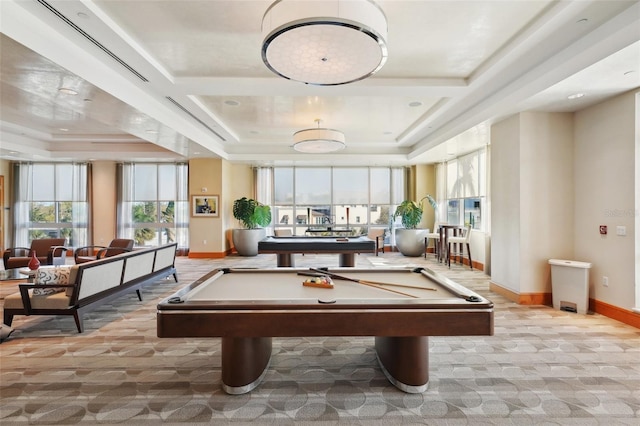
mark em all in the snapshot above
pixel 173 80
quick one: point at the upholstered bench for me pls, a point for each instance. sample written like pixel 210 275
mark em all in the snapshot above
pixel 79 288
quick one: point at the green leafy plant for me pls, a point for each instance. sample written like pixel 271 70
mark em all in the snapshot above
pixel 410 212
pixel 251 213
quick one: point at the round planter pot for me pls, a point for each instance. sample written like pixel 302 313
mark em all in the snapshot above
pixel 410 242
pixel 246 240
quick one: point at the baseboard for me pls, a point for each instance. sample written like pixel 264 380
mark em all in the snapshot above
pixel 615 312
pixel 522 298
pixel 465 261
pixel 610 311
pixel 207 255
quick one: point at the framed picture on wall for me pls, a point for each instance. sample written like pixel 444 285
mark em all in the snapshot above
pixel 205 206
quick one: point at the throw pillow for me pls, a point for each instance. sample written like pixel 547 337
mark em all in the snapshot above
pixel 51 276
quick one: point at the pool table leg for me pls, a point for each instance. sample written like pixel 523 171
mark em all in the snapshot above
pixel 285 260
pixel 244 363
pixel 405 361
pixel 347 259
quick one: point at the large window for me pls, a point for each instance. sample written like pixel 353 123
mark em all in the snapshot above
pixel 51 203
pixel 356 198
pixel 153 204
pixel 466 190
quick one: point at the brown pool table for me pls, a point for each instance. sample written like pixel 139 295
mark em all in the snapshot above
pixel 248 307
pixel 345 247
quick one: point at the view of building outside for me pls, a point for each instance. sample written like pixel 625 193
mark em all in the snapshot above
pixel 344 199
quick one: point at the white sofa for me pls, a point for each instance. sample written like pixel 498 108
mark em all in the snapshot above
pixel 90 284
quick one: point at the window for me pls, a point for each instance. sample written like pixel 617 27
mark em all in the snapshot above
pixel 153 204
pixel 51 202
pixel 340 197
pixel 466 189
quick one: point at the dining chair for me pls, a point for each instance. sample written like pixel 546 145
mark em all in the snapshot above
pixel 462 240
pixel 435 236
pixel 377 234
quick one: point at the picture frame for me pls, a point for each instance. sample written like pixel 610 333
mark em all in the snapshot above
pixel 205 206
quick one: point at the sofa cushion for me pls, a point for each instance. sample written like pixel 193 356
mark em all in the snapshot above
pixel 50 276
pixel 49 301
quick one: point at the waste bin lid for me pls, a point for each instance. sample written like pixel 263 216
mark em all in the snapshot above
pixel 569 263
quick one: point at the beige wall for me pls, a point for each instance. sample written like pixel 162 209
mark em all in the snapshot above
pixel 206 234
pixel 605 195
pixel 505 203
pixel 554 179
pixel 425 184
pixel 211 235
pixel 103 208
pixel 5 170
pixel 532 199
pixel 546 196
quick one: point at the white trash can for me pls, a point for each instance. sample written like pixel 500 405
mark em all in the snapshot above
pixel 570 285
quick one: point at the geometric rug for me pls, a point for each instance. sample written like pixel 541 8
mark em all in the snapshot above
pixel 542 366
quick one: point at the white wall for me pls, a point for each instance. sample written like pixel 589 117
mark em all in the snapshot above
pixel 606 195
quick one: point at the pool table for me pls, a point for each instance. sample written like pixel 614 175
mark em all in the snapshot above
pixel 400 307
pixel 345 247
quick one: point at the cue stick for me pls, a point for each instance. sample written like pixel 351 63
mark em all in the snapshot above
pixel 376 284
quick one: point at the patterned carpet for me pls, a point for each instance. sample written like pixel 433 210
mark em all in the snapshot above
pixel 543 366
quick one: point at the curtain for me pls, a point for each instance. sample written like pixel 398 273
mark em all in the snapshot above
pixel 23 188
pixel 125 178
pixel 441 192
pixel 80 212
pixel 263 177
pixel 182 205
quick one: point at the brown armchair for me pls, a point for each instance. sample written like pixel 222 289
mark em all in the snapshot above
pixel 49 251
pixel 89 253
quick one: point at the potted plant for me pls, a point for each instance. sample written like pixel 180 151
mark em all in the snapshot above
pixel 410 239
pixel 253 216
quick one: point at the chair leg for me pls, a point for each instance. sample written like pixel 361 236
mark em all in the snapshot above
pixel 469 254
pixel 8 318
pixel 426 247
pixel 79 323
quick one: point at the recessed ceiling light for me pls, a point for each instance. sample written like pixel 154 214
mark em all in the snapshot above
pixel 82 15
pixel 151 132
pixel 629 72
pixel 67 91
pixel 196 153
pixel 575 96
pixel 582 21
pixel 231 102
pixel 415 104
pixel 88 100
pixel 62 129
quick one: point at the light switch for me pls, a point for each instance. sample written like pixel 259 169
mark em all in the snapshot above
pixel 621 230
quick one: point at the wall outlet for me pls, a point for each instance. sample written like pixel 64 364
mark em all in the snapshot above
pixel 605 281
pixel 204 242
pixel 621 230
